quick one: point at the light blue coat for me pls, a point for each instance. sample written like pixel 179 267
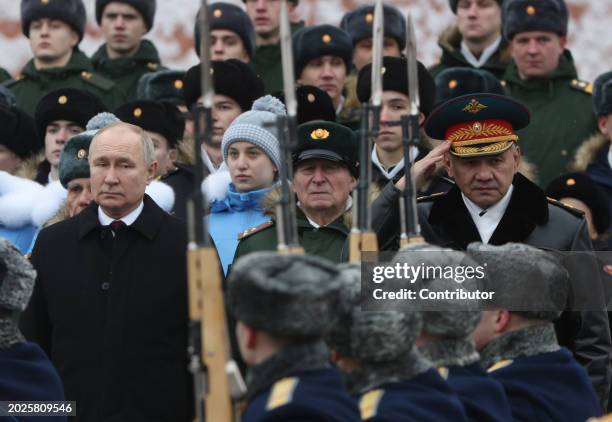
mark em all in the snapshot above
pixel 22 237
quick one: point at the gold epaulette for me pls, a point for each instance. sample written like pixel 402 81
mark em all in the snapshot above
pixel 253 230
pixel 97 80
pixel 282 392
pixel 499 365
pixel 368 403
pixel 583 86
pixel 575 211
pixel 430 197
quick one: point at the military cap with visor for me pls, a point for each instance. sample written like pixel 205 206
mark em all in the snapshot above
pixel 358 23
pixel 534 15
pixel 478 124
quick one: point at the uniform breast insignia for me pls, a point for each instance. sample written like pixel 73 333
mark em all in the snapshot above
pixel 368 404
pixel 253 230
pixel 443 371
pixel 430 197
pixel 499 365
pixel 574 211
pixel 282 392
pixel 583 86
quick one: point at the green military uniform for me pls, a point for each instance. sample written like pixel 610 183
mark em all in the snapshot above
pixel 125 72
pixel 4 75
pixel 326 241
pixel 33 84
pixel 562 116
pixel 450 43
pixel 268 65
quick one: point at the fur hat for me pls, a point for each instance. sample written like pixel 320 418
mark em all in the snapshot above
pixel 72 12
pixel 602 94
pixel 231 78
pixel 456 81
pixel 530 15
pixel 395 78
pixel 163 85
pixel 145 7
pixel 18 132
pixel 154 116
pixel 453 4
pixel 526 280
pixel 312 104
pixel 321 40
pixel 289 296
pixel 370 336
pixel 230 17
pixel 358 24
pixel 257 126
pixel 16 278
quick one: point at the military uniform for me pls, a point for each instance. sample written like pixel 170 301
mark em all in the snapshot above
pixel 33 84
pixel 125 72
pixel 4 75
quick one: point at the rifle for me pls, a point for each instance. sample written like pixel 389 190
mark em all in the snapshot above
pixel 286 226
pixel 208 348
pixel 362 238
pixel 409 219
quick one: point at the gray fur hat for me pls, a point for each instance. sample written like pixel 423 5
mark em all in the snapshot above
pixel 358 24
pixel 70 11
pixel 164 85
pixel 534 15
pixel 524 276
pixel 602 94
pixel 455 318
pixel 370 336
pixel 16 278
pixel 257 126
pixel 145 7
pixel 289 296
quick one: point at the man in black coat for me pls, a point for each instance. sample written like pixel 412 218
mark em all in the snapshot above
pixel 110 301
pixel 493 203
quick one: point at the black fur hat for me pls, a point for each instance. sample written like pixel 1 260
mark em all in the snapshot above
pixel 358 23
pixel 145 7
pixel 154 116
pixel 602 94
pixel 70 11
pixel 164 85
pixel 534 15
pixel 456 81
pixel 321 40
pixel 18 132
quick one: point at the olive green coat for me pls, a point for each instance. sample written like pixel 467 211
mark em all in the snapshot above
pixel 32 84
pixel 326 242
pixel 450 43
pixel 4 75
pixel 126 72
pixel 561 116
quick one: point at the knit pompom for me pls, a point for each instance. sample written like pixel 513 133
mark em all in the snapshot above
pixel 101 120
pixel 270 104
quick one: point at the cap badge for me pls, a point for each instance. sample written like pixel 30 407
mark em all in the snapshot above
pixel 319 134
pixel 369 18
pixel 311 98
pixel 178 84
pixel 326 38
pixel 570 182
pixel 137 112
pixel 474 107
pixel 531 10
pixel 81 154
pixel 217 13
pixel 62 99
pixel 477 127
pixel 44 1
pixel 453 84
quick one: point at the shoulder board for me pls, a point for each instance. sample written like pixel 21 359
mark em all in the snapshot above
pixel 583 86
pixel 153 66
pixel 282 392
pixel 499 365
pixel 443 371
pixel 97 80
pixel 254 230
pixel 430 197
pixel 368 403
pixel 575 211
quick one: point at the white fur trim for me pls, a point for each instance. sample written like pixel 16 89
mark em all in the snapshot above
pixel 162 194
pixel 216 186
pixel 50 202
pixel 17 199
pixel 14 184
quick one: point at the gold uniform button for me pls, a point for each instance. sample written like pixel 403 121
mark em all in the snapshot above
pixel 62 99
pixel 326 38
pixel 137 112
pixel 453 84
pixel 311 98
pixel 178 84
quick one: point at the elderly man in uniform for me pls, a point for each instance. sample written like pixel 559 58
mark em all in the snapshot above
pixel 110 301
pixel 519 348
pixel 383 369
pixel 55 29
pixel 476 40
pixel 125 56
pixel 543 76
pixel 325 173
pixel 282 342
pixel 493 203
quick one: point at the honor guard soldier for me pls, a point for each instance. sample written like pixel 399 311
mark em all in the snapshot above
pixel 325 173
pixel 322 57
pixel 55 29
pixel 383 369
pixel 493 203
pixel 291 378
pixel 542 380
pixel 543 76
pixel 475 41
pixel 125 56
pixel 457 81
pixel 445 339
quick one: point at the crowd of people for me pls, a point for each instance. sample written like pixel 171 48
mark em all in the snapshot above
pixel 98 166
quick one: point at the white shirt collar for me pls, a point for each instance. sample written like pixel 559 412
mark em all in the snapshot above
pixel 486 53
pixel 487 223
pixel 414 151
pixel 340 105
pixel 129 219
pixel 349 204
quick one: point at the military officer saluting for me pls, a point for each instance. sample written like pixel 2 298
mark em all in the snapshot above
pixel 542 380
pixel 55 29
pixel 385 373
pixel 291 378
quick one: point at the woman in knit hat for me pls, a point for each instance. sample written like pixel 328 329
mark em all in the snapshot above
pixel 251 153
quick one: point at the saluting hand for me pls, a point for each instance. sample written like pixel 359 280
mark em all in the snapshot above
pixel 423 169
